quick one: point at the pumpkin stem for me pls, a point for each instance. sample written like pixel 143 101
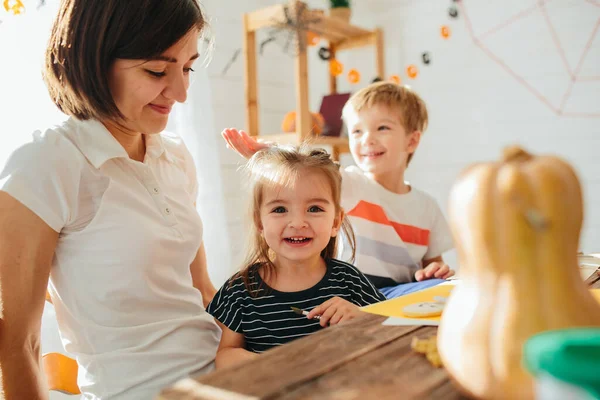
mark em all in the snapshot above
pixel 515 154
pixel 536 220
pixel 533 216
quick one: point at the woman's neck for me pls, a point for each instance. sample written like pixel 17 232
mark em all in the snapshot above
pixel 293 276
pixel 134 143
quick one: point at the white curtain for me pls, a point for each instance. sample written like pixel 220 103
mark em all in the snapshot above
pixel 194 122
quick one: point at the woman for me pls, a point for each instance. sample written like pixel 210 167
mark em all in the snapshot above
pixel 100 210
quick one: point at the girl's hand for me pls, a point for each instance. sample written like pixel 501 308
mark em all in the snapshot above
pixel 244 144
pixel 335 311
pixel 436 269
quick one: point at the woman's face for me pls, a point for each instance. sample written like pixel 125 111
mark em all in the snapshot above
pixel 145 90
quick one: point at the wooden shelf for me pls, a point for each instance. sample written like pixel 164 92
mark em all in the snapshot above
pixel 292 138
pixel 339 145
pixel 339 34
pixel 334 30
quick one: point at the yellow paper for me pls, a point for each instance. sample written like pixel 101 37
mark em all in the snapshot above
pixel 393 307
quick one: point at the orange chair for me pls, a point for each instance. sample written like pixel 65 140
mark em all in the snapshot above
pixel 61 371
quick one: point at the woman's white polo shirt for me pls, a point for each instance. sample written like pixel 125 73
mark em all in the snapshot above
pixel 120 279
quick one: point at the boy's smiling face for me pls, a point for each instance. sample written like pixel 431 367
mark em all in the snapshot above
pixel 378 141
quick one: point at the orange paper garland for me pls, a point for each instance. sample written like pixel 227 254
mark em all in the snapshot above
pixel 445 31
pixel 396 79
pixel 335 67
pixel 353 76
pixel 312 38
pixel 412 71
pixel 14 6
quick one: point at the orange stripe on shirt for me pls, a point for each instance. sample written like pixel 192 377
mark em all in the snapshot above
pixel 375 213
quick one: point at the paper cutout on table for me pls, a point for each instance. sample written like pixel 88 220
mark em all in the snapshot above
pixel 393 307
pixel 396 321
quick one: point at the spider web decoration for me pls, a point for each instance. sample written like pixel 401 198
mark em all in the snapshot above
pixel 569 57
pixel 291 34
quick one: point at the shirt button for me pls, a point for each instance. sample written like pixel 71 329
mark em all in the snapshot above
pixel 167 211
pixel 156 190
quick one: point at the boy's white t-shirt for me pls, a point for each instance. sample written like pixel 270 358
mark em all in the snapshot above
pixel 394 232
pixel 120 279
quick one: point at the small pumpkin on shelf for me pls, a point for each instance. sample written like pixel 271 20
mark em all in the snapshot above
pixel 516 225
pixel 288 124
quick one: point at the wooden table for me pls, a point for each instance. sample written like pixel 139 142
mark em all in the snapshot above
pixel 361 359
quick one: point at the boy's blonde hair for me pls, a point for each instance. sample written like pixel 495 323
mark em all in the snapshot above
pixel 410 108
pixel 283 166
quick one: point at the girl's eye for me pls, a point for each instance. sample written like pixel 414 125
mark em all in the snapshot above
pixel 278 210
pixel 383 128
pixel 188 70
pixel 356 132
pixel 156 74
pixel 314 209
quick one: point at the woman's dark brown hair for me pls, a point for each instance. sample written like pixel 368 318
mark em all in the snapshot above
pixel 89 35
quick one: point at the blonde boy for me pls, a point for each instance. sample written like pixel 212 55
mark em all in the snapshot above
pixel 401 232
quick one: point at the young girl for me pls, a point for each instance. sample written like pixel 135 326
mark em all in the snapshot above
pixel 296 216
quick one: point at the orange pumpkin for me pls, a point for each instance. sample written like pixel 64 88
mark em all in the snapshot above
pixel 289 123
pixel 516 225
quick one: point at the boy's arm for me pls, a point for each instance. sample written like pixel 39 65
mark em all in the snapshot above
pixel 245 145
pixel 440 241
pixel 231 349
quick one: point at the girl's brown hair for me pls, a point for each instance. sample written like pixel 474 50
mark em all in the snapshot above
pixel 283 166
pixel 89 35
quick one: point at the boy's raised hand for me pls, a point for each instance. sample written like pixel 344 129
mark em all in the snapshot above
pixel 436 269
pixel 244 144
pixel 335 311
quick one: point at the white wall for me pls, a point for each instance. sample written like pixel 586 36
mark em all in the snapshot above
pixel 476 105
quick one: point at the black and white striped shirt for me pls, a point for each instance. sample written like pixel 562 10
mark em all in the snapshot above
pixel 267 319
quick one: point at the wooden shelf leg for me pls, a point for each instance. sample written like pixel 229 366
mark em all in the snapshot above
pixel 251 79
pixel 379 53
pixel 303 118
pixel 332 79
pixel 335 154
